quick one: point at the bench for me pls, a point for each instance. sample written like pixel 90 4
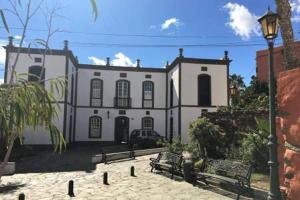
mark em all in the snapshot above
pixel 167 161
pixel 117 156
pixel 233 172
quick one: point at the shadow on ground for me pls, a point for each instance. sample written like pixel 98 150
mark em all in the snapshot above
pixel 74 158
pixel 10 188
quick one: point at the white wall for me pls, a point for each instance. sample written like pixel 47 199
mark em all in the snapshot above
pixel 108 124
pixel 189 83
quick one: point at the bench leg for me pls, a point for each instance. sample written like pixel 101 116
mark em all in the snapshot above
pixel 238 196
pixel 152 169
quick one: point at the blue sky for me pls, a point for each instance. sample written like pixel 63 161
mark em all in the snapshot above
pixel 213 24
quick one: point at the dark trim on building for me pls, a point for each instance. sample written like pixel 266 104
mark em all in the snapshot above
pixel 120 68
pixel 166 106
pixel 66 94
pixel 148 117
pixel 75 106
pixel 196 106
pixel 98 117
pixel 7 49
pixel 131 108
pixel 228 97
pixel 195 61
pixel 179 102
pixel 209 89
pixel 91 92
pixel 143 94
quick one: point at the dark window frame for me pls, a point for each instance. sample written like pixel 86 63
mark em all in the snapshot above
pixel 201 100
pixel 34 78
pixel 152 95
pixel 152 123
pixel 91 92
pixel 117 93
pixel 90 120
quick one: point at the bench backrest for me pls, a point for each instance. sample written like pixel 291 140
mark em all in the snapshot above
pixel 229 168
pixel 170 158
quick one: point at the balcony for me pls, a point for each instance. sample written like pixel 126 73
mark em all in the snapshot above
pixel 121 102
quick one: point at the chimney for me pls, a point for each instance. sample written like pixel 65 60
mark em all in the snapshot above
pixel 10 41
pixel 138 63
pixel 167 64
pixel 226 55
pixel 181 52
pixel 66 44
pixel 107 61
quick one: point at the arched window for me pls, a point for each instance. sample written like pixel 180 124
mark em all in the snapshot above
pixel 95 127
pixel 171 92
pixel 96 92
pixel 147 123
pixel 204 90
pixel 34 74
pixel 148 94
pixel 122 93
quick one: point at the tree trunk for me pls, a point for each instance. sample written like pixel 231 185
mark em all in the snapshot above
pixel 284 12
pixel 7 155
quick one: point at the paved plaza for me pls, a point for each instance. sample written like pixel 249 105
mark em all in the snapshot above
pixel 89 185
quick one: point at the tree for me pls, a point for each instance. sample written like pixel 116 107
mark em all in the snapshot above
pixel 237 80
pixel 284 12
pixel 205 137
pixel 28 104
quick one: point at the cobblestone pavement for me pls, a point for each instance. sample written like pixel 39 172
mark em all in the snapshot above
pixel 89 185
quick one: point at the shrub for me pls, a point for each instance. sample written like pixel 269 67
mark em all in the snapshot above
pixel 176 146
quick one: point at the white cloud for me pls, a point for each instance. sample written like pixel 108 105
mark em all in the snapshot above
pixel 97 61
pixel 169 22
pixel 295 4
pixel 18 37
pixel 2 52
pixel 1 81
pixel 152 27
pixel 242 21
pixel 119 60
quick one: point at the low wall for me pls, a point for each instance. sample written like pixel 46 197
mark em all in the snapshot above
pixel 122 155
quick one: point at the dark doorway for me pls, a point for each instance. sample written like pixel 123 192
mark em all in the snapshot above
pixel 171 130
pixel 204 90
pixel 121 130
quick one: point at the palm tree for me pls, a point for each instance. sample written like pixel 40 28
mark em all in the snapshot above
pixel 284 12
pixel 237 81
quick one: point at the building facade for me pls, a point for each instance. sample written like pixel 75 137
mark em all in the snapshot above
pixel 104 103
pixel 262 61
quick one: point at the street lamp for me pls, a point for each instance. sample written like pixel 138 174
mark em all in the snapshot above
pixel 232 92
pixel 270 25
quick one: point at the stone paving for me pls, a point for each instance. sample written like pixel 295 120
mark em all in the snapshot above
pixel 89 185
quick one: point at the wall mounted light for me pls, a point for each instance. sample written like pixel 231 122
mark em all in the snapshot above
pixel 108 114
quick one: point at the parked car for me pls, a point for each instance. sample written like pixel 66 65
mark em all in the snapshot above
pixel 144 138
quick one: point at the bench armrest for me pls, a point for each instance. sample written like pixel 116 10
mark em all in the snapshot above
pixel 243 180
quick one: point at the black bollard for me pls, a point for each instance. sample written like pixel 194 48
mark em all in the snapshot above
pixel 132 171
pixel 71 189
pixel 105 182
pixel 22 196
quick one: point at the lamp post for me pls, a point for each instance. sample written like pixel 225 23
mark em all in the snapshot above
pixel 233 92
pixel 270 26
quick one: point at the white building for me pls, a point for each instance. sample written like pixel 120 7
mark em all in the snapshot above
pixel 104 103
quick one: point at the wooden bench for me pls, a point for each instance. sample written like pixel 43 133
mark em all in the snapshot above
pixel 233 172
pixel 167 161
pixel 117 156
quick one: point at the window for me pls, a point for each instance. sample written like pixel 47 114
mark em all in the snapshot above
pixel 122 93
pixel 171 92
pixel 34 74
pixel 97 73
pixel 38 60
pixel 148 94
pixel 204 90
pixel 96 92
pixel 203 68
pixel 123 75
pixel 147 123
pixel 95 126
pixel 148 76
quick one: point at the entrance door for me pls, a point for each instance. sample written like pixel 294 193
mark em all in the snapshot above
pixel 121 130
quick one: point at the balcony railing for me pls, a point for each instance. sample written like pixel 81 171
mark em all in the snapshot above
pixel 121 102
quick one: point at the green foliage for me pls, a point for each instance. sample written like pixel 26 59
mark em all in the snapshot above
pixel 176 146
pixel 205 138
pixel 4 21
pixel 29 104
pixel 95 9
pixel 254 148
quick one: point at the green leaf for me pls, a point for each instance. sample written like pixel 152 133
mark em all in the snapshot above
pixel 4 21
pixel 95 9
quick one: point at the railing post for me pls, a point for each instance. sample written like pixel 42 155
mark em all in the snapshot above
pixel 71 188
pixel 22 196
